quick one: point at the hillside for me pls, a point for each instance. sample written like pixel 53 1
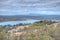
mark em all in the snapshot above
pixel 43 30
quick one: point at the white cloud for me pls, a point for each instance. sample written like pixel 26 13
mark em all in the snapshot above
pixel 29 6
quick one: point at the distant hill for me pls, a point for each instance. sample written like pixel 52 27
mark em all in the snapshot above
pixel 24 17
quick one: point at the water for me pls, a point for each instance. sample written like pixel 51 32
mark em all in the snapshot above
pixel 17 22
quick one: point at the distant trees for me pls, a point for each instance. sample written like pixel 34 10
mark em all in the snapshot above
pixel 46 22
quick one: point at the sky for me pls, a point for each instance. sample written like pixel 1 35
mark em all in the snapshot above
pixel 26 7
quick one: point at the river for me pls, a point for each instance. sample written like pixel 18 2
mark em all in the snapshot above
pixel 18 22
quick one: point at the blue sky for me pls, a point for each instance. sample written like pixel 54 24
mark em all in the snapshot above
pixel 26 7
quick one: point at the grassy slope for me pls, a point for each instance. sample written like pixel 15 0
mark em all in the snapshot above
pixel 39 31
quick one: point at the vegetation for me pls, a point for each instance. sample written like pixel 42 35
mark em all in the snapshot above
pixel 3 34
pixel 42 30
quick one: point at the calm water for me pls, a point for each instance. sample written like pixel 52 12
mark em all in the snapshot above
pixel 17 22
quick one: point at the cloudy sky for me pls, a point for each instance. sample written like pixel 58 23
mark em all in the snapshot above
pixel 26 7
